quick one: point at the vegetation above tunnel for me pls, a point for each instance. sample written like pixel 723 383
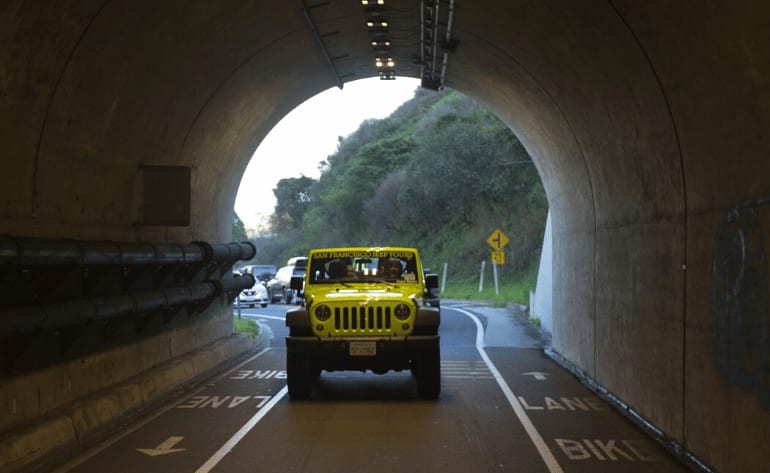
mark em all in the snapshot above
pixel 441 173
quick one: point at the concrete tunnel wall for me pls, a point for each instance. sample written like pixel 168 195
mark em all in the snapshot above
pixel 647 122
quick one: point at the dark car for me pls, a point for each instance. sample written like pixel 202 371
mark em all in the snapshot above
pixel 279 288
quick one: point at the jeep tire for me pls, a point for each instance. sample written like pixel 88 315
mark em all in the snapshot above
pixel 298 375
pixel 429 375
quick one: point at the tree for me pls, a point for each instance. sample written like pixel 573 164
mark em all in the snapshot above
pixel 239 229
pixel 293 198
pixel 381 210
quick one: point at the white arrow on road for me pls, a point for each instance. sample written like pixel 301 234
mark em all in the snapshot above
pixel 537 375
pixel 164 448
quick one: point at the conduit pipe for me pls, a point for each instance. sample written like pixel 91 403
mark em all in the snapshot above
pixel 26 320
pixel 44 252
pixel 37 264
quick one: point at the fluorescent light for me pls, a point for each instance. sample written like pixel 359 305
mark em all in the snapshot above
pixel 377 22
pixel 389 62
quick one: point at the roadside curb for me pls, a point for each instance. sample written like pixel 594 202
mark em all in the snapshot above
pixel 65 432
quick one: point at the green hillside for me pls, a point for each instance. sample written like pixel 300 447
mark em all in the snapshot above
pixel 441 174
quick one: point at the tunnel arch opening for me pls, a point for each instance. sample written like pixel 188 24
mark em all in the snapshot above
pixel 423 117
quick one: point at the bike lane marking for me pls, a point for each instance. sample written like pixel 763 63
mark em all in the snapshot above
pixel 148 427
pixel 542 448
pixel 245 429
pixel 583 429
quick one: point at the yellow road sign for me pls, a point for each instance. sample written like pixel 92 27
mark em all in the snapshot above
pixel 497 240
pixel 498 257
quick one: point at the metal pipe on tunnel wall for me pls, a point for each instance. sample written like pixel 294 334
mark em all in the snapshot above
pixel 52 283
pixel 36 252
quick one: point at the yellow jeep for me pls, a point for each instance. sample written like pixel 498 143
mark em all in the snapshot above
pixel 364 309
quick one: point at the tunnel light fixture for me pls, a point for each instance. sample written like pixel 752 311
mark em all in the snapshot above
pixel 373 6
pixel 377 22
pixel 387 74
pixel 380 62
pixel 380 44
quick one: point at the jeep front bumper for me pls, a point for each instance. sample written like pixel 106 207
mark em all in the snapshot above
pixel 363 353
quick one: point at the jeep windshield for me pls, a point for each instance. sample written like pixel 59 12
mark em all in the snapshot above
pixel 363 267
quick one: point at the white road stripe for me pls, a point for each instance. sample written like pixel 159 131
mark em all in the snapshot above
pixel 467 377
pixel 261 316
pixel 230 444
pixel 534 435
pixel 75 462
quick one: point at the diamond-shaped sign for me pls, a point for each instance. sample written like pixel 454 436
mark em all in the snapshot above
pixel 497 240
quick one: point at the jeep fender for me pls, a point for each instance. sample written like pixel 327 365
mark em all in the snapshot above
pixel 427 316
pixel 297 317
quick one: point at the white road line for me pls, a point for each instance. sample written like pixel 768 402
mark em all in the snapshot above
pixel 468 377
pixel 534 435
pixel 228 446
pixel 109 442
pixel 274 317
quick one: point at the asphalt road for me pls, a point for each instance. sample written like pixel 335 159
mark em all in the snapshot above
pixel 504 407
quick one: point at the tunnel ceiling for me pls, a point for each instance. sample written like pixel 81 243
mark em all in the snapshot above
pixel 605 95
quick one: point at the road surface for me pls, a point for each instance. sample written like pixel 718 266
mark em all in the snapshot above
pixel 504 407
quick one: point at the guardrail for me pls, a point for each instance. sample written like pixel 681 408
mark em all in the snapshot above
pixel 48 284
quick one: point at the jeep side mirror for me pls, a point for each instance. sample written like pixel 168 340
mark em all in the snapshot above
pixel 431 281
pixel 296 282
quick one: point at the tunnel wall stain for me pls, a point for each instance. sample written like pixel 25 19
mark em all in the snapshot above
pixel 740 305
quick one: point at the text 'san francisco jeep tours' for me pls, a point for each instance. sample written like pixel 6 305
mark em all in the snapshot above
pixel 364 309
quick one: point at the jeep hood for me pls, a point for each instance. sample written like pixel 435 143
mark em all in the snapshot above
pixel 368 294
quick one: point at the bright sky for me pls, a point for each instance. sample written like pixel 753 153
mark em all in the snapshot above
pixel 308 135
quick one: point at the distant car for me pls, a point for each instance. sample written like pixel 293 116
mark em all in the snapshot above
pixel 254 295
pixel 279 288
pixel 297 261
pixel 261 272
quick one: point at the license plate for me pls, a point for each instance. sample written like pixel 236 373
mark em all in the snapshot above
pixel 362 348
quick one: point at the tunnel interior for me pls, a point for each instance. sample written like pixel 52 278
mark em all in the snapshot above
pixel 646 121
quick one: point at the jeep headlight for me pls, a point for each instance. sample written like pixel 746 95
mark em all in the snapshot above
pixel 322 312
pixel 402 311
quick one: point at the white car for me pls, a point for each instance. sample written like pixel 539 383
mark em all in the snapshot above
pixel 254 295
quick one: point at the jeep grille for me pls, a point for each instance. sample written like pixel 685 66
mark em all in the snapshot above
pixel 362 319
